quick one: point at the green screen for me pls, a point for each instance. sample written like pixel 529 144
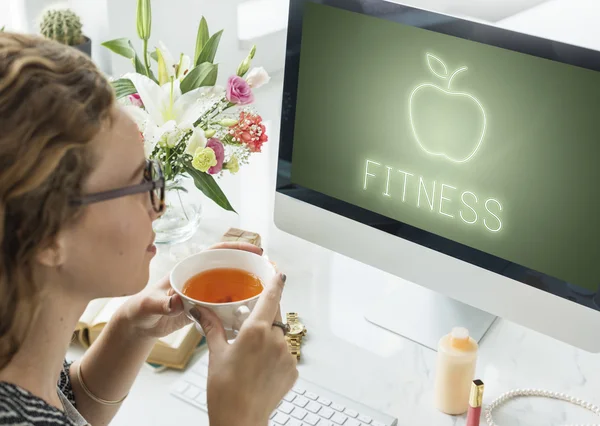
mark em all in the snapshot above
pixel 491 148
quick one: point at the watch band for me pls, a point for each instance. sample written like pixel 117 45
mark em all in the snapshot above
pixel 294 347
pixel 293 342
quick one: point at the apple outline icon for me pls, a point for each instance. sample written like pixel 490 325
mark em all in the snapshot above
pixel 449 92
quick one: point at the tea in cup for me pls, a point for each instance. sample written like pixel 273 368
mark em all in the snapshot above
pixel 228 282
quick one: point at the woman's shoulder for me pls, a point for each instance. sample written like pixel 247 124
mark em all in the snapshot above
pixel 20 407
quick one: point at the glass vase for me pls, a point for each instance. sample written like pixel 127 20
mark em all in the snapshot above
pixel 182 215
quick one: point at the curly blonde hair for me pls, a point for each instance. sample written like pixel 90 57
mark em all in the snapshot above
pixel 53 101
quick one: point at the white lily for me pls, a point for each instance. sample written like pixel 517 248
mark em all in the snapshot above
pixel 167 109
pixel 166 63
pixel 172 69
pixel 183 66
pixel 196 140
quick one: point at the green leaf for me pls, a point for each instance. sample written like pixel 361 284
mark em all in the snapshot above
pixel 201 38
pixel 140 68
pixel 154 56
pixel 207 184
pixel 124 47
pixel 203 75
pixel 210 49
pixel 2 29
pixel 121 46
pixel 123 87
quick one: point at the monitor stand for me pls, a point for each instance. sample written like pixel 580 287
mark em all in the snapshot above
pixel 424 316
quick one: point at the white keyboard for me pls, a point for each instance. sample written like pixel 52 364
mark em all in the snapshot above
pixel 305 405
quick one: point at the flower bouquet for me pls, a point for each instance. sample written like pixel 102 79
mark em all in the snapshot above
pixel 194 127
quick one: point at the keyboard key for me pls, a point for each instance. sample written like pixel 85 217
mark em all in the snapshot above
pixel 201 398
pixel 352 422
pixel 313 407
pixel 273 414
pixel 285 407
pixel 298 390
pixel 300 401
pixel 339 419
pixel 337 407
pixel 365 419
pixel 311 395
pixel 299 413
pixel 324 401
pixel 324 422
pixel 181 387
pixel 311 419
pixel 326 412
pixel 350 413
pixel 201 369
pixel 192 392
pixel 289 397
pixel 293 422
pixel 281 418
pixel 378 424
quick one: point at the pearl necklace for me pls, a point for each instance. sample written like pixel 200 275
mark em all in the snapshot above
pixel 538 392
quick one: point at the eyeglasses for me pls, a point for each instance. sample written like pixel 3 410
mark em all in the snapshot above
pixel 154 183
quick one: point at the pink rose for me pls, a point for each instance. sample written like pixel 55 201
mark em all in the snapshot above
pixel 136 100
pixel 238 91
pixel 216 145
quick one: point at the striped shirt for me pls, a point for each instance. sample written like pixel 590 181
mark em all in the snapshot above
pixel 19 407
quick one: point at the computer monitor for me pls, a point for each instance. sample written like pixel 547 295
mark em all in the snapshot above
pixel 458 156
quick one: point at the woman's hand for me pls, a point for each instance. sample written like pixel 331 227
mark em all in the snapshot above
pixel 157 311
pixel 248 378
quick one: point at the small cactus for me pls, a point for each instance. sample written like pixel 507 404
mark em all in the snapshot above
pixel 63 26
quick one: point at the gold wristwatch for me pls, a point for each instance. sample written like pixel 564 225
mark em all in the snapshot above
pixel 295 335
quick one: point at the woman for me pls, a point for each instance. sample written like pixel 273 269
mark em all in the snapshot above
pixel 63 141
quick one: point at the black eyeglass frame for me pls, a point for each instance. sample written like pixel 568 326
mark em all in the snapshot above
pixel 150 185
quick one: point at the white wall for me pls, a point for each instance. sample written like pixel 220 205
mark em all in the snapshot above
pixel 5 14
pixel 94 15
pixel 12 15
pixel 569 21
pixel 486 10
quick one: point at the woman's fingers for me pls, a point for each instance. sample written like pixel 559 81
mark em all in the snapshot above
pixel 267 305
pixel 238 245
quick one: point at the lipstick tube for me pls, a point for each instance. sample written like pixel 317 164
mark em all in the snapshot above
pixel 475 403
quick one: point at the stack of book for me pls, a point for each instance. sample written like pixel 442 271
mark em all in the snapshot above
pixel 173 351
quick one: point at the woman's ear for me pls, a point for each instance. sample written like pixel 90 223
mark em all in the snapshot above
pixel 52 254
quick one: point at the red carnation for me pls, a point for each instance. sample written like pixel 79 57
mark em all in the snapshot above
pixel 250 131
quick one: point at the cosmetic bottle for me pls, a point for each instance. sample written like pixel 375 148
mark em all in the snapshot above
pixel 455 371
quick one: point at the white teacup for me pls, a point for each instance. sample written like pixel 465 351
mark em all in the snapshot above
pixel 232 314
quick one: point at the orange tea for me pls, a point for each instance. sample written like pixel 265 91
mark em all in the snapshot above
pixel 222 285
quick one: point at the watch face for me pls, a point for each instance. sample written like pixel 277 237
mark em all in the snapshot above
pixel 296 329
